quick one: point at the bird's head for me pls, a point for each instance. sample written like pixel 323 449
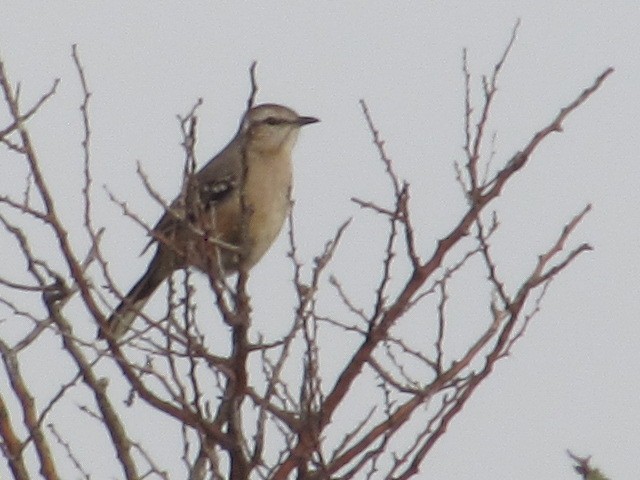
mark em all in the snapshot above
pixel 273 127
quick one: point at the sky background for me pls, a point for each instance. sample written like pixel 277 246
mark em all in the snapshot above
pixel 573 381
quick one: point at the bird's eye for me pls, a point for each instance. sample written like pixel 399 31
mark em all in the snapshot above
pixel 272 121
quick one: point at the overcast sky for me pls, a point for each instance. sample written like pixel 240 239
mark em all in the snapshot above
pixel 573 381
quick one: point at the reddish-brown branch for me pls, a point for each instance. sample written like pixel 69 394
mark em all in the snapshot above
pixel 29 412
pixel 51 218
pixel 12 446
pixel 300 453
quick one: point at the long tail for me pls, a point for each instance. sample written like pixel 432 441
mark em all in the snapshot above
pixel 124 315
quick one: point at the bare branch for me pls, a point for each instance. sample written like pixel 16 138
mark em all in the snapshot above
pixel 254 85
pixel 12 446
pixel 259 406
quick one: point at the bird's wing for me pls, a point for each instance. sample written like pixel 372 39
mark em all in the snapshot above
pixel 214 182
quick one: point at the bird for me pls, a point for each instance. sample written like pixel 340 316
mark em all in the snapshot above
pixel 233 209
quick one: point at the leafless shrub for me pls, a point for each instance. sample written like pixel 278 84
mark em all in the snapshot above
pixel 240 411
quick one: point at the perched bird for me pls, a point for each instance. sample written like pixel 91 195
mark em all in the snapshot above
pixel 236 208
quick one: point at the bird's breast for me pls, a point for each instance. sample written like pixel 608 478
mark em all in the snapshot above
pixel 267 195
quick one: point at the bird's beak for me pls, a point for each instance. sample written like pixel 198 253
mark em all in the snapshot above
pixel 306 120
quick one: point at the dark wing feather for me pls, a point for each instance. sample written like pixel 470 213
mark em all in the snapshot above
pixel 216 182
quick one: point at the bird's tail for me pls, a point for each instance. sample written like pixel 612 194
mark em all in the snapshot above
pixel 124 315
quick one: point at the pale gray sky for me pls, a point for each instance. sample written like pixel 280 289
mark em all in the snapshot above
pixel 573 382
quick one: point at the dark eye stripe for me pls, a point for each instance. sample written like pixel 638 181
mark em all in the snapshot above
pixel 274 121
